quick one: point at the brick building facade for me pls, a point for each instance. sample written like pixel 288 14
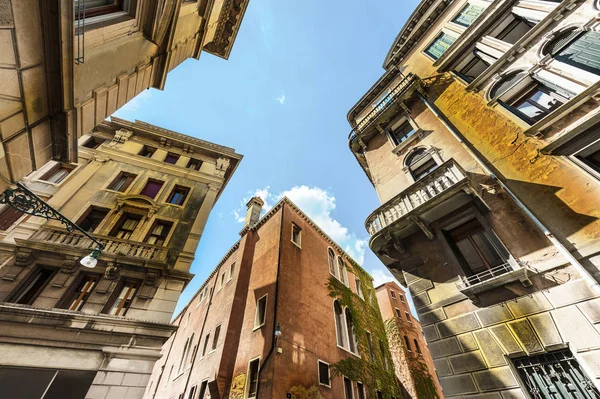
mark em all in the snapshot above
pixel 412 361
pixel 284 309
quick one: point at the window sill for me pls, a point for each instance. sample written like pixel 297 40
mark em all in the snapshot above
pixel 416 135
pixel 519 274
pixel 348 351
pixel 258 327
pixel 296 244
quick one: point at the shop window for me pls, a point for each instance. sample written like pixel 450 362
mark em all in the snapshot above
pixel 92 218
pixel 178 195
pixel 122 182
pixel 324 374
pixel 420 163
pixel 80 292
pixel 126 226
pixel 159 232
pixel 57 174
pixel 152 188
pixel 439 46
pixel 33 286
pixel 9 216
pixel 122 298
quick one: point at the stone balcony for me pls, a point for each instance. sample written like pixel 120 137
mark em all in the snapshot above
pixel 494 277
pixel 442 191
pixel 59 239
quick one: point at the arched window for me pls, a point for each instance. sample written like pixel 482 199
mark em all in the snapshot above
pixel 417 346
pixel 341 270
pixel 580 49
pixel 331 261
pixel 407 342
pixel 339 323
pixel 351 333
pixel 420 163
pixel 506 83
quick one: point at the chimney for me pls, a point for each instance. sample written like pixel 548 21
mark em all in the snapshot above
pixel 253 213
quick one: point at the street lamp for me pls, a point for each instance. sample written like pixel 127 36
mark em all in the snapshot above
pixel 21 198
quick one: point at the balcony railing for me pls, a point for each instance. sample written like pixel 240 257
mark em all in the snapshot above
pixel 467 282
pixel 382 106
pixel 112 245
pixel 446 176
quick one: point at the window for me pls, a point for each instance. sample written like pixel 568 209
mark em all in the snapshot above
pixel 398 314
pixel 171 158
pixel 383 354
pixel 393 294
pixel 206 340
pixel 33 286
pixel 9 216
pixel 192 394
pixel 468 15
pixel 360 389
pixel 253 368
pixel 478 63
pixel 159 232
pixel 81 292
pixel 577 48
pixel 122 182
pixel 93 143
pixel 515 29
pixel 408 317
pixel 92 219
pixel 407 343
pixel 147 152
pixel 222 280
pixel 379 395
pixel 351 331
pixel 331 261
pixel 184 355
pixel 474 247
pixel 358 288
pixel 370 346
pixel 178 195
pixel 98 7
pixel 261 312
pixel 348 388
pixel 296 235
pixel 417 347
pixel 420 163
pixel 126 226
pixel 216 338
pixel 440 45
pixel 339 322
pixel 341 270
pixel 203 389
pixel 402 132
pixel 152 188
pixel 57 174
pixel 124 299
pixel 324 374
pixel 584 151
pixel 535 103
pixel 231 270
pixel 194 164
pixel 402 298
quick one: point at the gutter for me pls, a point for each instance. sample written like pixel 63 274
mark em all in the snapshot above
pixel 557 244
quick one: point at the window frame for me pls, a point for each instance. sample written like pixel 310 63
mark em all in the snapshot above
pixel 166 238
pixel 298 229
pixel 87 213
pixel 158 193
pixel 215 342
pixel 20 290
pixel 186 194
pixel 118 226
pixel 443 31
pixel 331 262
pixel 147 149
pixel 71 295
pixel 114 298
pixel 328 385
pixel 346 388
pixel 120 175
pixel 54 170
pixel 258 301
pixel 248 382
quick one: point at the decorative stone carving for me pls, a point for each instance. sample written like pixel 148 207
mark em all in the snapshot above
pixel 108 281
pixel 423 226
pixel 69 266
pixel 120 137
pixel 148 288
pixel 100 159
pixel 111 271
pixel 222 166
pixel 163 142
pixel 22 259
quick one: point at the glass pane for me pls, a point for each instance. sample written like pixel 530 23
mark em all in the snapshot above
pixel 70 384
pixel 152 188
pixel 468 15
pixel 470 255
pixel 583 53
pixel 403 132
pixel 545 100
pixel 24 382
pixel 486 248
pixel 348 388
pixel 253 377
pixel 323 373
pixel 531 111
pixel 440 45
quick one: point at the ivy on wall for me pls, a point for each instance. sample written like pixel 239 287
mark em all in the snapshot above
pixel 379 373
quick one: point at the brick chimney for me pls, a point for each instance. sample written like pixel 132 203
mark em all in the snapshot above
pixel 253 213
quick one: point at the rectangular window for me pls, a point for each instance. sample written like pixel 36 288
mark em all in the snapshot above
pixel 535 104
pixel 81 292
pixel 122 182
pixel 202 389
pixel 407 343
pixel 358 288
pixel 468 15
pixel 324 374
pixel 296 235
pixel 253 368
pixel 379 395
pixel 147 152
pixel 171 158
pixel 152 188
pixel 417 347
pixel 349 394
pixel 92 218
pixel 192 394
pixel 126 226
pixel 402 299
pixel 123 298
pixel 393 294
pixel 159 232
pixel 57 174
pixel 398 314
pixel 261 312
pixel 370 346
pixel 221 281
pixel 361 390
pixel 231 270
pixel 216 338
pixel 383 354
pixel 408 317
pixel 178 195
pixel 206 341
pixel 9 216
pixel 93 143
pixel 34 285
pixel 402 132
pixel 440 45
pixel 475 67
pixel 194 164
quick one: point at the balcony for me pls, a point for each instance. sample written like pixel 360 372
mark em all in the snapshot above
pixel 438 194
pixel 384 110
pixel 492 278
pixel 48 238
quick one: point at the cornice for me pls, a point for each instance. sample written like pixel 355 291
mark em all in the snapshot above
pixel 371 94
pixel 230 19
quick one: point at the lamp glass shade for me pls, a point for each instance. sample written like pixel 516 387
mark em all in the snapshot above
pixel 89 261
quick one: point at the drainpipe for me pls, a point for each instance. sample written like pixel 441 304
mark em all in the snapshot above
pixel 557 244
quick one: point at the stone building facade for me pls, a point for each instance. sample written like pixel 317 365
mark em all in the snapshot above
pixel 412 361
pixel 481 140
pixel 67 331
pixel 286 313
pixel 68 64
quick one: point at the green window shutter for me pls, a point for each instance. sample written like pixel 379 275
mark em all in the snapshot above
pixel 583 52
pixel 440 45
pixel 468 15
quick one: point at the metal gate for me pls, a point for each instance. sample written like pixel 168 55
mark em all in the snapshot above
pixel 555 375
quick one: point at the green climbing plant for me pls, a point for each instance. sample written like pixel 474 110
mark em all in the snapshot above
pixel 377 373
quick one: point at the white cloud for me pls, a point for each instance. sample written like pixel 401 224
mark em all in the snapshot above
pixel 281 99
pixel 380 276
pixel 319 205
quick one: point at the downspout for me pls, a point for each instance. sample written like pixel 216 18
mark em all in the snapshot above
pixel 274 339
pixel 557 244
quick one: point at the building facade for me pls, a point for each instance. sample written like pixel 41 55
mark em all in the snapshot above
pixel 67 65
pixel 286 313
pixel 68 331
pixel 412 361
pixel 481 141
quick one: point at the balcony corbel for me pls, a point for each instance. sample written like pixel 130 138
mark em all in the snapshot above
pixel 424 226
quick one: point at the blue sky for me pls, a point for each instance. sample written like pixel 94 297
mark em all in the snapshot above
pixel 281 100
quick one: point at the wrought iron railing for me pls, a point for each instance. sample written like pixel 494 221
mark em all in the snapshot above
pixel 496 271
pixel 444 177
pixel 112 245
pixel 381 106
pixel 79 12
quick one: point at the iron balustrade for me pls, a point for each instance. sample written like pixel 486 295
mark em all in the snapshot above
pixel 79 12
pixel 383 104
pixel 496 271
pixel 445 176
